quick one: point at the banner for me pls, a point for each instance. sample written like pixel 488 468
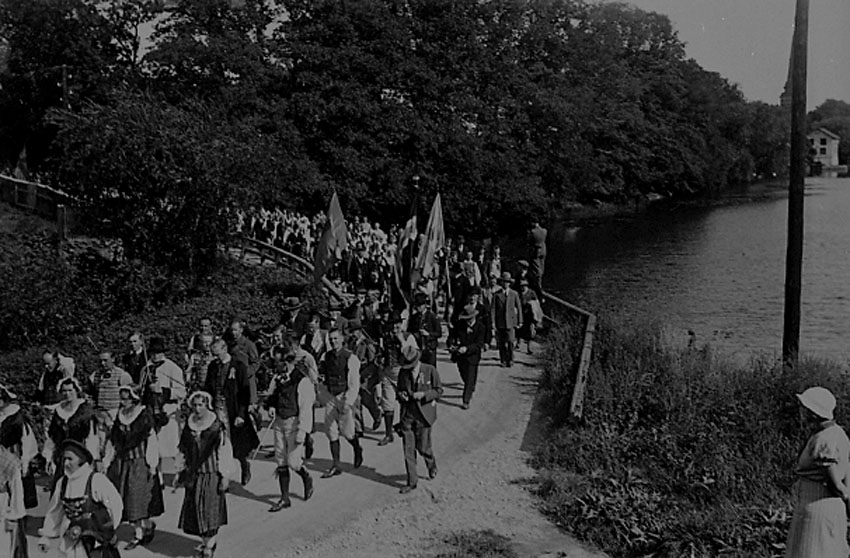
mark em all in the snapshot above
pixel 334 240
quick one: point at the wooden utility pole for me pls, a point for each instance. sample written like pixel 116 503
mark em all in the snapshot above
pixel 799 149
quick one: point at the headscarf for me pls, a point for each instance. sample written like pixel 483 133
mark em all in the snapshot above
pixel 204 395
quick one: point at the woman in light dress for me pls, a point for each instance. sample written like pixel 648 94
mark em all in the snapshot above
pixel 819 525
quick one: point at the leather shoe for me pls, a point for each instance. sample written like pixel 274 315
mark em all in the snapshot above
pixel 386 440
pixel 465 406
pixel 406 489
pixel 358 457
pixel 432 473
pixel 281 504
pixel 332 472
pixel 150 532
pixel 133 544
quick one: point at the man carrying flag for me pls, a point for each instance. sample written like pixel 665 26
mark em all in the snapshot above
pixel 404 252
pixel 333 242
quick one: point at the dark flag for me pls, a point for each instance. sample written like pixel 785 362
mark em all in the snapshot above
pixel 334 240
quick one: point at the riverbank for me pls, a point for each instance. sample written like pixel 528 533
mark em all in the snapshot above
pixel 682 451
pixel 579 215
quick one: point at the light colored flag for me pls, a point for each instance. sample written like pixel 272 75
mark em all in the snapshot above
pixel 334 240
pixel 435 239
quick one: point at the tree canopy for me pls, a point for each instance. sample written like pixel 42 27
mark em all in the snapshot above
pixel 509 108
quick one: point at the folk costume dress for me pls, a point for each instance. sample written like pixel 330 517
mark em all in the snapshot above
pixel 74 422
pixel 131 452
pixel 204 456
pixel 13 543
pixel 819 524
pixel 84 488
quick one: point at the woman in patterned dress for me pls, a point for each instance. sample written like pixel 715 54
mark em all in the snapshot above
pixel 73 418
pixel 819 524
pixel 204 464
pixel 131 463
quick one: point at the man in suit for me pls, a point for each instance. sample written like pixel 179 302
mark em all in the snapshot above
pixel 506 317
pixel 425 327
pixel 419 388
pixel 466 351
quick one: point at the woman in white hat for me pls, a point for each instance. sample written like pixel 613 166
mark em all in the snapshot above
pixel 819 525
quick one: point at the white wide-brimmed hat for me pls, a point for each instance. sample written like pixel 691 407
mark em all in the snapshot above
pixel 818 400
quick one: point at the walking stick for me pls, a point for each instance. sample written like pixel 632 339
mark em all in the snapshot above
pixel 257 449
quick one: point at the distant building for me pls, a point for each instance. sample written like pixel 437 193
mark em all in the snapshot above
pixel 824 145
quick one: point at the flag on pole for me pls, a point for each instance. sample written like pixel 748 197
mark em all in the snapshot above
pixel 404 252
pixel 334 240
pixel 435 239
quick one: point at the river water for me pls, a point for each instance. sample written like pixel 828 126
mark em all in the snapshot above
pixel 717 271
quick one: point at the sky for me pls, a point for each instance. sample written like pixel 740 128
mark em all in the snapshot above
pixel 749 43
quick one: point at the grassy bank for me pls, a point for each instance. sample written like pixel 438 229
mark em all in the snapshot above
pixel 682 453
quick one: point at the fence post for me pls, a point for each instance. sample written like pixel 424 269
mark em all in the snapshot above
pixel 577 402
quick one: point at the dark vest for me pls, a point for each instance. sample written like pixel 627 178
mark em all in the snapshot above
pixel 335 369
pixel 287 395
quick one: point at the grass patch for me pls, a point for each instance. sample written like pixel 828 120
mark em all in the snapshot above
pixel 681 453
pixel 478 544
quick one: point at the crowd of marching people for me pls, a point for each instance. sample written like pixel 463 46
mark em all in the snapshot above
pixel 108 431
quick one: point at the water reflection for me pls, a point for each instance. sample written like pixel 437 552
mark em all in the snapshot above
pixel 717 271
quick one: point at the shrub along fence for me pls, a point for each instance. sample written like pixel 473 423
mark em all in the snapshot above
pixel 42 200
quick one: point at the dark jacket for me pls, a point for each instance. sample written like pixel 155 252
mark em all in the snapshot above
pixel 473 339
pixel 428 382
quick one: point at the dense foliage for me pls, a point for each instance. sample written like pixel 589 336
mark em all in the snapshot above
pixel 510 108
pixel 681 453
pixel 835 117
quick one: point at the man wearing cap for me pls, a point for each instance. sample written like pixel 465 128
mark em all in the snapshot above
pixel 290 403
pixel 82 502
pixel 506 317
pixel 393 345
pixel 426 328
pixel 466 351
pixel 340 370
pixel 419 388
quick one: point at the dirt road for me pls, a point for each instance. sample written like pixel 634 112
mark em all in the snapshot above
pixel 361 513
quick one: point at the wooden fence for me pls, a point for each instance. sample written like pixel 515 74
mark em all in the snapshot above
pixel 588 322
pixel 41 200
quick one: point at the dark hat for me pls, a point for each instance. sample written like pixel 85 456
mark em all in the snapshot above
pixel 383 308
pixel 523 282
pixel 291 303
pixel 419 299
pixel 395 317
pixel 78 449
pixel 156 345
pixel 522 263
pixel 468 313
pixel 506 277
pixel 475 290
pixel 409 356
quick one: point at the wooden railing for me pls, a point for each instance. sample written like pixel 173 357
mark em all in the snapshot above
pixel 42 200
pixel 287 259
pixel 588 321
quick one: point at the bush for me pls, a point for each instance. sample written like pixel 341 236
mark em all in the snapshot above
pixel 680 453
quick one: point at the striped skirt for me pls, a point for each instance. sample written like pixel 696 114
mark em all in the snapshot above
pixel 204 507
pixel 819 525
pixel 140 491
